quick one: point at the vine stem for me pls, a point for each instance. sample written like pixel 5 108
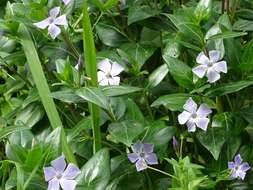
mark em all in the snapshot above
pixel 162 172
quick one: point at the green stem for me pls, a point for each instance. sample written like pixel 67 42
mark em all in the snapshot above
pixel 162 172
pixel 71 45
pixel 181 146
pixel 91 71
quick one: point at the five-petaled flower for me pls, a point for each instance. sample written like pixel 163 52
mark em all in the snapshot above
pixel 108 72
pixel 142 155
pixel 59 175
pixel 210 65
pixel 238 167
pixel 52 21
pixel 194 116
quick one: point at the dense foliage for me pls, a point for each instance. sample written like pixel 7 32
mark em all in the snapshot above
pixel 133 94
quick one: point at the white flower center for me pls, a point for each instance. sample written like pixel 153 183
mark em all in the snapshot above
pixel 108 75
pixel 194 115
pixel 58 175
pixel 51 20
pixel 142 154
pixel 210 64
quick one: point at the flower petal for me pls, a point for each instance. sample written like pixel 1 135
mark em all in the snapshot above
pixel 104 82
pixel 231 165
pixel 53 184
pixel 71 172
pixel 116 69
pixel 244 166
pixel 241 174
pixel 212 75
pixel 141 165
pixel 238 159
pixel 66 2
pixel 133 157
pixel 105 65
pixel 220 66
pixel 183 117
pixel 114 81
pixel 151 158
pixel 54 31
pixel 214 56
pixel 68 184
pixel 202 123
pixel 49 173
pixel 101 76
pixel 61 20
pixel 191 126
pixel 190 106
pixel 200 70
pixel 148 148
pixel 59 164
pixel 137 147
pixel 43 24
pixel 203 110
pixel 54 12
pixel 202 58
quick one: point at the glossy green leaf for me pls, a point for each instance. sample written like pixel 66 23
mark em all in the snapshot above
pixel 133 112
pixel 228 34
pixel 67 95
pixel 95 174
pixel 246 62
pixel 157 76
pixel 119 90
pixel 5 131
pixel 203 9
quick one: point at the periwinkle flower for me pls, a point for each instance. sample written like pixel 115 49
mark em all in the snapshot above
pixel 66 2
pixel 52 22
pixel 238 167
pixel 59 175
pixel 142 155
pixel 108 72
pixel 193 116
pixel 210 66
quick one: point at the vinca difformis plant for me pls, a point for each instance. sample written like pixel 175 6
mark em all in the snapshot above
pixel 126 94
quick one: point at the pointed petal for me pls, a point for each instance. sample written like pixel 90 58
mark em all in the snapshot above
pixel 43 24
pixel 114 81
pixel 148 148
pixel 190 106
pixel 101 76
pixel 191 126
pixel 137 147
pixel 68 184
pixel 202 123
pixel 203 110
pixel 244 167
pixel 59 164
pixel 116 69
pixel 66 2
pixel 104 82
pixel 71 172
pixel 238 159
pixel 202 58
pixel 141 165
pixel 234 174
pixel 49 173
pixel 241 174
pixel 212 75
pixel 61 20
pixel 231 165
pixel 53 184
pixel 183 117
pixel 200 70
pixel 220 67
pixel 105 66
pixel 133 157
pixel 151 158
pixel 214 56
pixel 53 31
pixel 54 12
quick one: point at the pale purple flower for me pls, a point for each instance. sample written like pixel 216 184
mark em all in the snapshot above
pixel 142 155
pixel 108 72
pixel 210 66
pixel 59 175
pixel 66 2
pixel 52 22
pixel 193 116
pixel 238 167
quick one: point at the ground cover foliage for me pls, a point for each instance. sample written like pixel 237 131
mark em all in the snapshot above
pixel 126 94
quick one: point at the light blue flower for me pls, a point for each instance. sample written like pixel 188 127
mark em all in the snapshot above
pixel 238 167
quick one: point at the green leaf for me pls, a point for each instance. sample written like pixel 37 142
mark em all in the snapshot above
pixel 227 34
pixel 213 140
pixel 119 90
pixel 93 95
pixel 125 131
pixel 247 114
pixel 133 112
pixel 243 25
pixel 228 88
pixel 181 72
pixel 203 9
pixel 5 131
pixel 246 62
pixel 95 174
pixel 67 95
pixel 137 13
pixel 173 102
pixel 157 76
